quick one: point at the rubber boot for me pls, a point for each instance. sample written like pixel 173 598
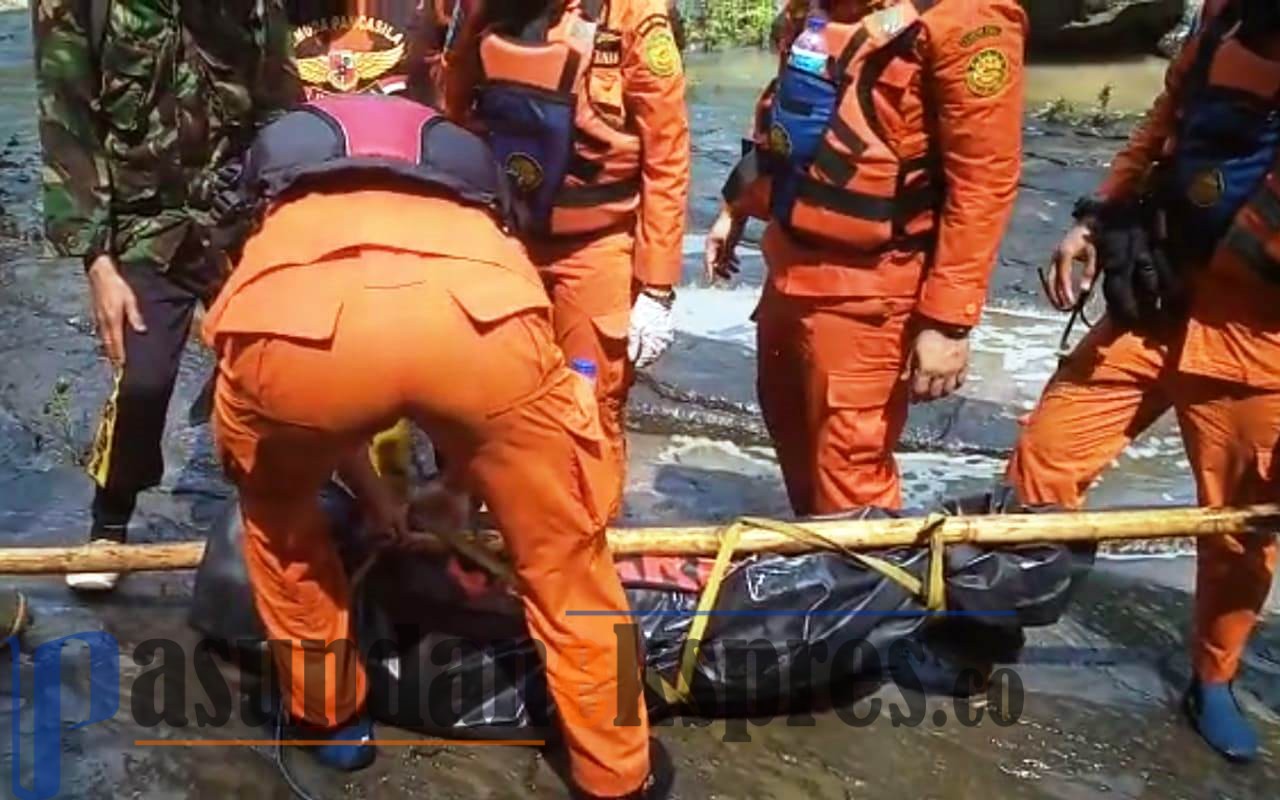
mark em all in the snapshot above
pixel 1213 710
pixel 658 786
pixel 350 747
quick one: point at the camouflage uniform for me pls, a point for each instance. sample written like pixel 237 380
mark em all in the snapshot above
pixel 134 128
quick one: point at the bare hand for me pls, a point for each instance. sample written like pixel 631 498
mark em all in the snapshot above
pixel 720 257
pixel 1077 245
pixel 113 303
pixel 938 365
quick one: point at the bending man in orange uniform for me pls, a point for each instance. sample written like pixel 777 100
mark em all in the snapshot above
pixel 583 102
pixel 1187 230
pixel 391 47
pixel 381 285
pixel 886 159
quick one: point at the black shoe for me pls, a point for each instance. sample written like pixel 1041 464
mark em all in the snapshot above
pixel 658 786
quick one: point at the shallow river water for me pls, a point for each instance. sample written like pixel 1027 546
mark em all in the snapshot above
pixel 1099 717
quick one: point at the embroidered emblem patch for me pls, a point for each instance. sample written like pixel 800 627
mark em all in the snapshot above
pixel 661 55
pixel 987 73
pixel 978 34
pixel 525 171
pixel 1206 189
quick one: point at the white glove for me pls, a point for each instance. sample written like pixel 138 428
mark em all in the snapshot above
pixel 652 329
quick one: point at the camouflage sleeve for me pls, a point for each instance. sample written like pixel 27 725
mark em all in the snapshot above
pixel 280 88
pixel 75 180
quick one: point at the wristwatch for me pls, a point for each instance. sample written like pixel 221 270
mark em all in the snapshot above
pixel 663 294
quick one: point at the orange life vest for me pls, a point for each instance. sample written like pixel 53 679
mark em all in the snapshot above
pixel 1249 153
pixel 835 176
pixel 551 102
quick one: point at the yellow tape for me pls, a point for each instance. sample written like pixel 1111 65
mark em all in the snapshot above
pixel 99 464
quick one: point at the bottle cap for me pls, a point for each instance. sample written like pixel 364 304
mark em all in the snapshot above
pixel 584 366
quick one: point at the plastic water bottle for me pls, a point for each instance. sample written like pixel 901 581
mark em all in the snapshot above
pixel 809 51
pixel 586 368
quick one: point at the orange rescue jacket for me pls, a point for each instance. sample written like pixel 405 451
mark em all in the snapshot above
pixel 614 66
pixel 1233 330
pixel 911 187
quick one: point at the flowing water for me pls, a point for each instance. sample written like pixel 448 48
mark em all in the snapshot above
pixel 1099 717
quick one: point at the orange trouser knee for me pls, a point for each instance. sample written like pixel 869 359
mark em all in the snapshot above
pixel 830 388
pixel 1113 387
pixel 1231 434
pixel 1108 390
pixel 590 283
pixel 522 426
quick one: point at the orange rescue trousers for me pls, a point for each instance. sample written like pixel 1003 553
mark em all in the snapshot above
pixel 831 391
pixel 589 280
pixel 1111 389
pixel 437 340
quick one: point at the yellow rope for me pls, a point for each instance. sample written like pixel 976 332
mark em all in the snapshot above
pixel 932 591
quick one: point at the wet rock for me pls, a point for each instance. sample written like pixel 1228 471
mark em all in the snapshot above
pixel 1173 41
pixel 704 387
pixel 1101 26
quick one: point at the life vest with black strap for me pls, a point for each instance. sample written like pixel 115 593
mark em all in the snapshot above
pixel 1217 183
pixel 835 176
pixel 573 160
pixel 359 141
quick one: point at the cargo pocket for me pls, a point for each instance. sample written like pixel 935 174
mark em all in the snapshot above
pixel 138 58
pixel 857 426
pixel 516 350
pixel 597 487
pixel 612 331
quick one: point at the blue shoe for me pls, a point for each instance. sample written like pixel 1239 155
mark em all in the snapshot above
pixel 351 747
pixel 1213 710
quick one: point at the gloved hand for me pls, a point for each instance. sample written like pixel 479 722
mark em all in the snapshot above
pixel 1142 287
pixel 652 328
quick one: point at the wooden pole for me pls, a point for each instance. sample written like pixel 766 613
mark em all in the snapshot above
pixel 992 531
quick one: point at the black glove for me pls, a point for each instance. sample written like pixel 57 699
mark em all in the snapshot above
pixel 1143 289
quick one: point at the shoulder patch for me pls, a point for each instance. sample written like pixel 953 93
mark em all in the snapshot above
pixel 978 34
pixel 608 48
pixel 659 50
pixel 988 72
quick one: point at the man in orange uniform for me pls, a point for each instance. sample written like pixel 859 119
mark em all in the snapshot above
pixel 583 101
pixel 886 159
pixel 1206 347
pixel 379 276
pixel 391 47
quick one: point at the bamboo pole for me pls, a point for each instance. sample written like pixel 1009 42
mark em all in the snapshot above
pixel 995 530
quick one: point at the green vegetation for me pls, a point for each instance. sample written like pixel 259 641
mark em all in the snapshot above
pixel 59 429
pixel 1097 115
pixel 718 24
